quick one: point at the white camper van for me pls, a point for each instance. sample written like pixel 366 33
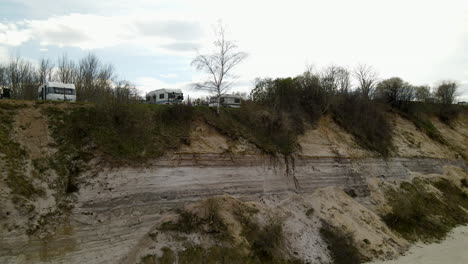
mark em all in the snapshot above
pixel 226 100
pixel 165 96
pixel 57 91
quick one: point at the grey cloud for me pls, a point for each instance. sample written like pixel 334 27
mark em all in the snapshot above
pixel 63 35
pixel 179 30
pixel 181 46
pixel 44 8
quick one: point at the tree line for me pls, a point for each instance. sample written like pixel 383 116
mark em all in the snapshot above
pixel 94 80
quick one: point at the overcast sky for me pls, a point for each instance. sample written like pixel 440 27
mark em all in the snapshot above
pixel 151 42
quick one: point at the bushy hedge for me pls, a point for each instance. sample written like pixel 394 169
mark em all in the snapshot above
pixel 123 131
pixel 304 98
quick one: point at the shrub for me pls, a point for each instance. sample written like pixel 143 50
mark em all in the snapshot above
pixel 340 245
pixel 395 92
pixel 448 113
pixel 190 223
pixel 365 120
pixel 272 132
pixel 124 132
pixel 464 183
pixel 420 214
pixel 267 243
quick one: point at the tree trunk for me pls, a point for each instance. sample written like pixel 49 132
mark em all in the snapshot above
pixel 219 101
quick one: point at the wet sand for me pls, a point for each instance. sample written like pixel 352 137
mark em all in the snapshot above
pixel 453 250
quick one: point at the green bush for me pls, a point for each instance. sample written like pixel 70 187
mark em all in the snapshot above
pixel 340 245
pixel 418 213
pixel 365 120
pixel 124 132
pixel 272 132
pixel 304 98
pixel 419 113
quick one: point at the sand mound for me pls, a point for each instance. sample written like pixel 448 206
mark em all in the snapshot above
pixel 206 139
pixel 456 134
pixel 411 142
pixel 372 237
pixel 330 140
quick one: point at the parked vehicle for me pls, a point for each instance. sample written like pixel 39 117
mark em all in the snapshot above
pixel 226 100
pixel 165 96
pixel 57 91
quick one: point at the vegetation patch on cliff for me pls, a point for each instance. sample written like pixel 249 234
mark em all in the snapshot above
pixel 270 131
pixel 238 237
pixel 365 120
pixel 123 132
pixel 340 245
pixel 307 97
pixel 425 209
pixel 14 156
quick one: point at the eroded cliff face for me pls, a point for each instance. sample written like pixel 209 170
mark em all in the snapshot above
pixel 129 214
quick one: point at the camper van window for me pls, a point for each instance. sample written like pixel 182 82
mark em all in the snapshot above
pixel 221 100
pixel 161 96
pixel 237 100
pixel 171 95
pixel 64 91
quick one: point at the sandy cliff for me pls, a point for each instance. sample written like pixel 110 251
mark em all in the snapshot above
pixel 115 214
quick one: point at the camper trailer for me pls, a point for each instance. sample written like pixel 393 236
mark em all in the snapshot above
pixel 165 96
pixel 226 100
pixel 57 91
pixel 4 93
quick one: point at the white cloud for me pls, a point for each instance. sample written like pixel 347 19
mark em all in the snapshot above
pixel 94 31
pixel 12 35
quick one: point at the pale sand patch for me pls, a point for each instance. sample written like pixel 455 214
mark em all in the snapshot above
pixel 371 236
pixel 206 139
pixel 330 140
pixel 412 142
pixel 32 132
pixel 453 250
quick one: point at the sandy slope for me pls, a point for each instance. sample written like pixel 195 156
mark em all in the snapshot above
pixel 453 250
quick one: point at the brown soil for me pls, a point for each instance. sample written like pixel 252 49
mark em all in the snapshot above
pixel 32 132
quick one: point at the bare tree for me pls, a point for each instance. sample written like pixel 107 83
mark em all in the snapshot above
pixel 219 65
pixel 422 93
pixel 343 80
pixel 395 91
pixel 21 78
pixel 329 79
pixel 367 80
pixel 66 71
pixel 125 92
pixel 335 79
pixel 3 76
pixel 44 71
pixel 447 92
